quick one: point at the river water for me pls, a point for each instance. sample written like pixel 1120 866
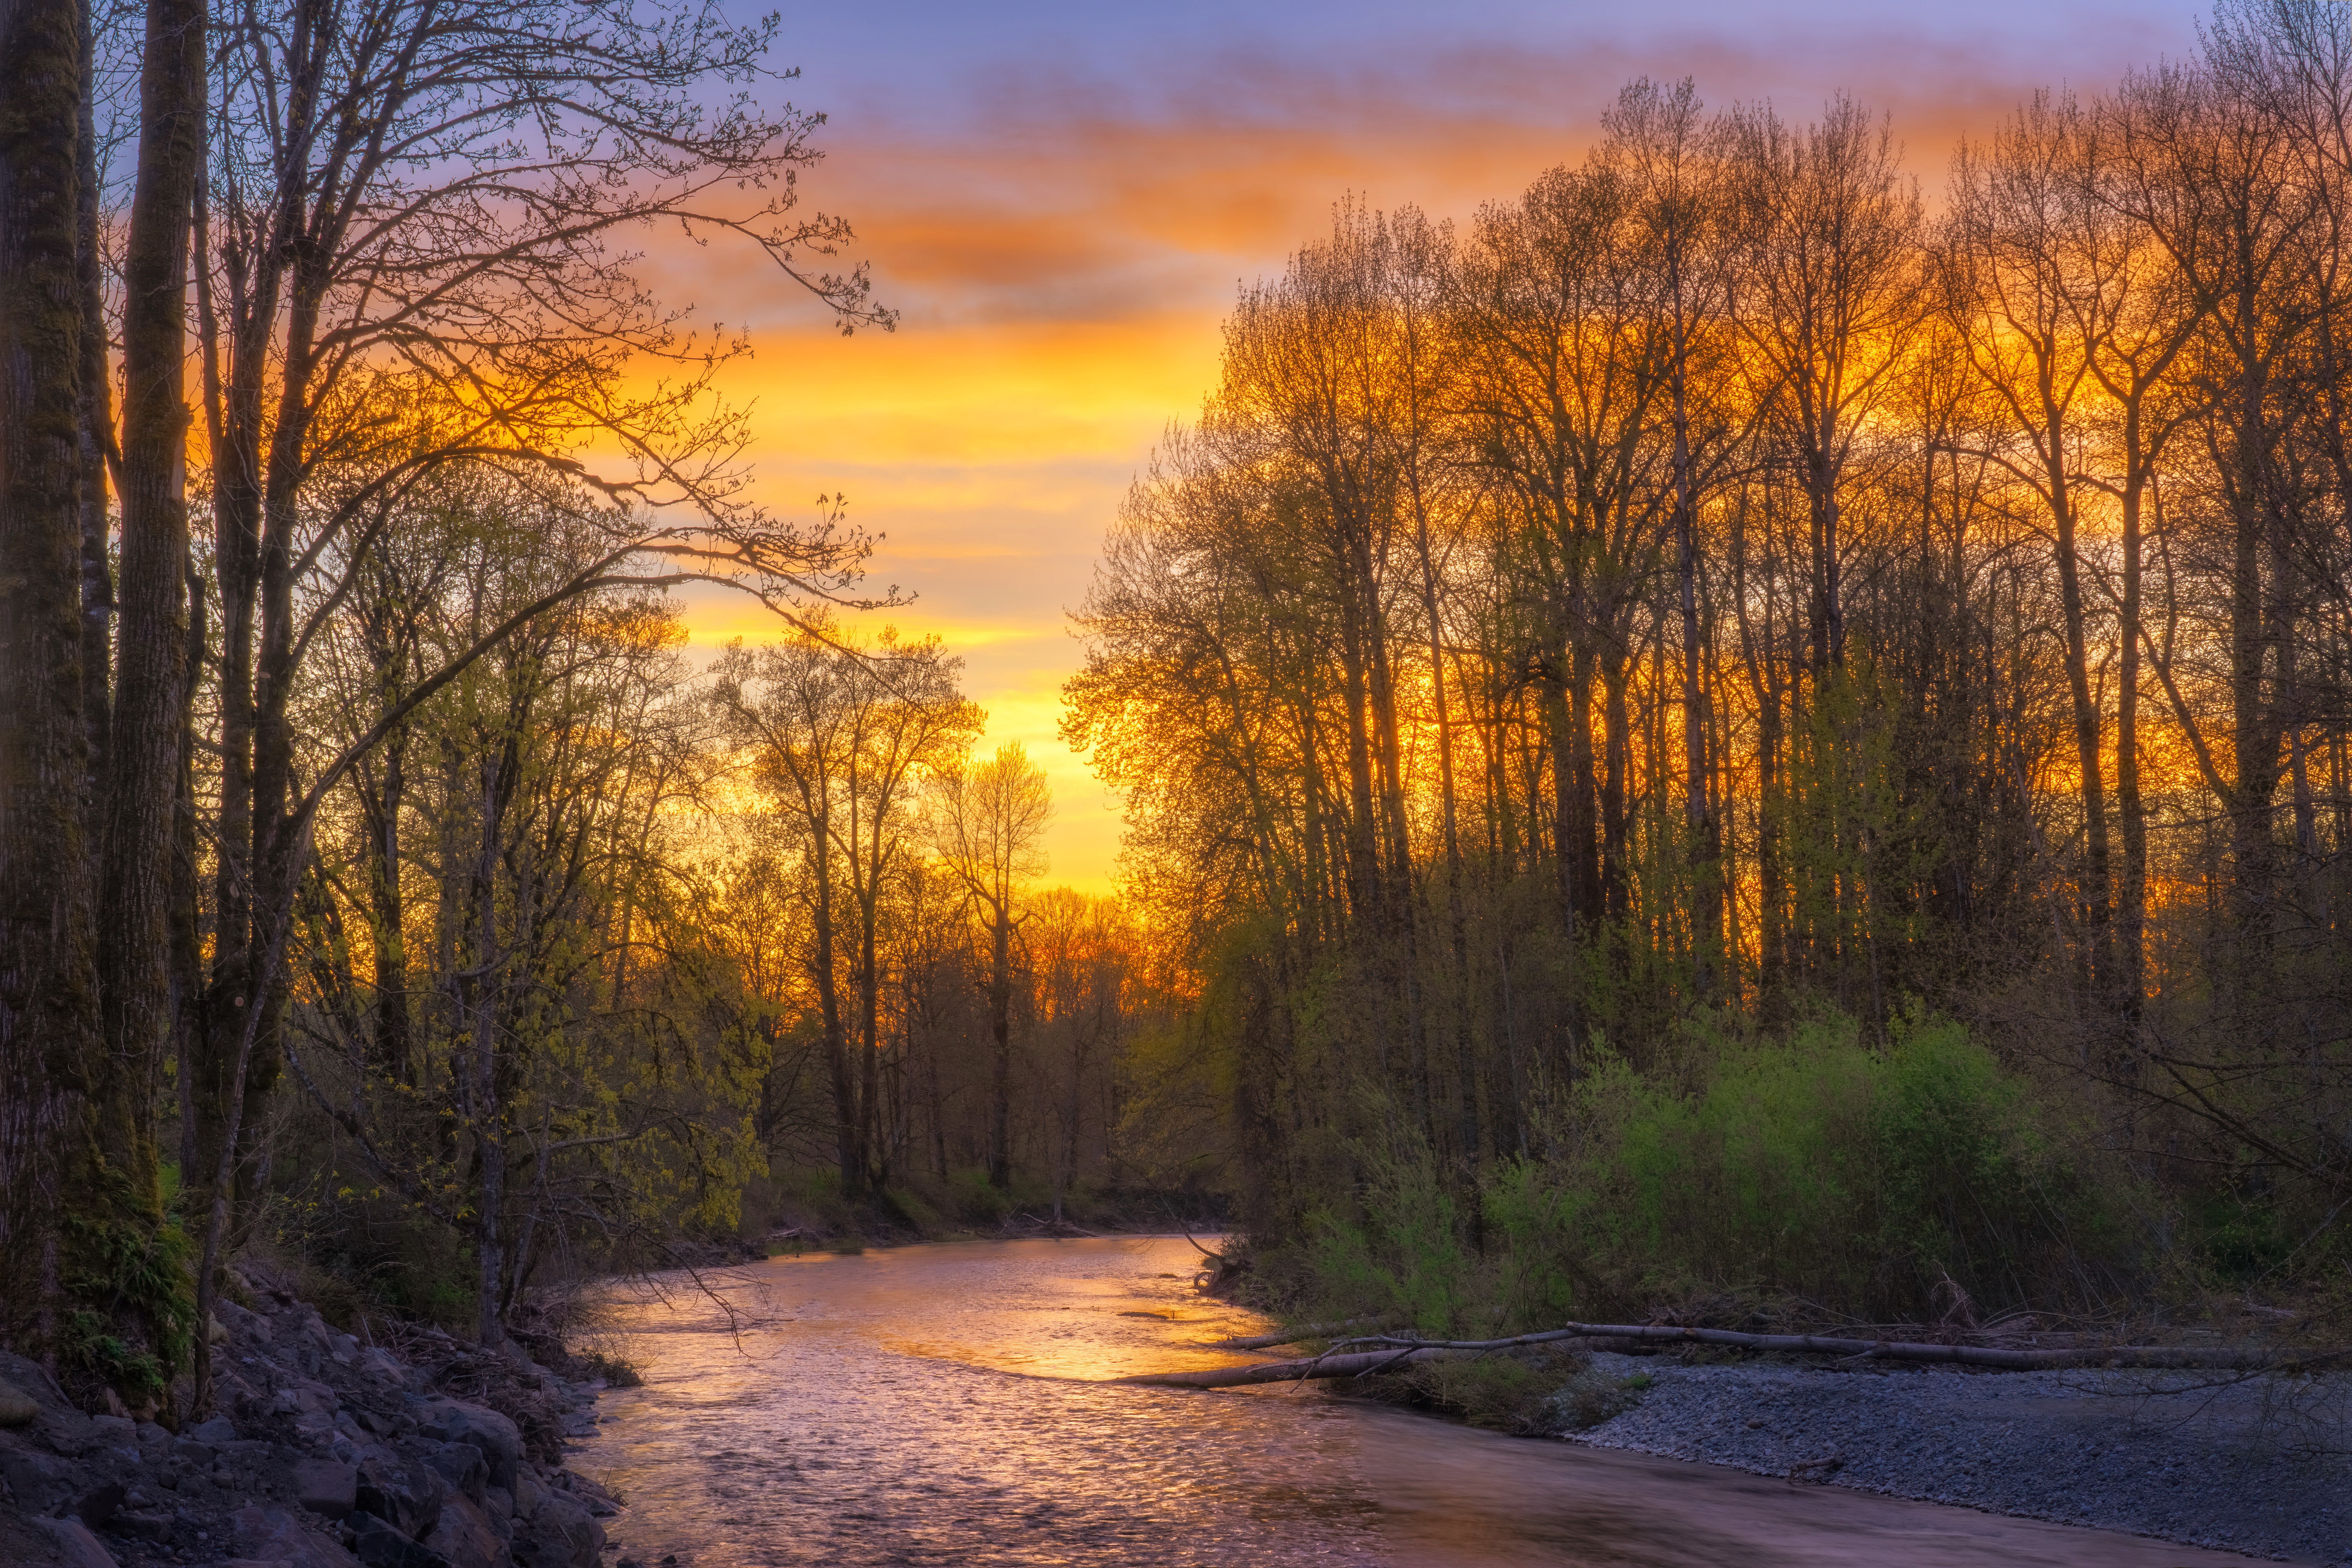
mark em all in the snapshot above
pixel 946 1404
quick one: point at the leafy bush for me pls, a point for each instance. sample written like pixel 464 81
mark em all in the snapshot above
pixel 1813 1174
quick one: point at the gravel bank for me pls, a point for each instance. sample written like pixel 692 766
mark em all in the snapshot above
pixel 2251 1467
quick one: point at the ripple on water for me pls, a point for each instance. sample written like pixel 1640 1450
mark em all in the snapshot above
pixel 914 1406
pixel 945 1404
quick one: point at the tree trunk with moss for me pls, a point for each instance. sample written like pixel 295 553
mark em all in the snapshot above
pixel 48 998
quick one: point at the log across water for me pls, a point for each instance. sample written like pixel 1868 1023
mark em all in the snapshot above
pixel 1396 1352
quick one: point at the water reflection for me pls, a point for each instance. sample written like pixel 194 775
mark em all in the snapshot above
pixel 858 1411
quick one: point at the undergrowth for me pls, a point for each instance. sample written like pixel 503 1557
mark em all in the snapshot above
pixel 1813 1177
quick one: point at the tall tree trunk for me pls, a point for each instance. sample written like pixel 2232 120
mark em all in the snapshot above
pixel 97 438
pixel 2131 892
pixel 137 873
pixel 1000 1025
pixel 48 999
pixel 2095 894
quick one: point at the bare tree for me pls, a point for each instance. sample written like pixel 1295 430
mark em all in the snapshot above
pixel 987 825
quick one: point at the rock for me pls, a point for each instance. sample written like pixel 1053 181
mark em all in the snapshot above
pixel 465 1537
pixel 499 1438
pixel 36 1482
pixel 243 1322
pixel 379 1545
pixel 200 1455
pixel 76 1544
pixel 325 1487
pixel 409 1496
pixel 463 1467
pixel 155 1527
pixel 273 1535
pixel 382 1366
pixel 560 1535
pixel 528 1494
pixel 219 1430
pixel 599 1502
pixel 18 1408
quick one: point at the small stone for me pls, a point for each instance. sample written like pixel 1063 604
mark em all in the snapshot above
pixel 16 1406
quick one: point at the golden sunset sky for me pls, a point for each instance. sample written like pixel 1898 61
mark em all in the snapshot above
pixel 1061 200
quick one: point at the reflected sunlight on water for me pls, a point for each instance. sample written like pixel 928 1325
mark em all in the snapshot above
pixel 945 1404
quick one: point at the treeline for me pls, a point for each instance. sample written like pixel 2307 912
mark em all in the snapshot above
pixel 1711 592
pixel 374 880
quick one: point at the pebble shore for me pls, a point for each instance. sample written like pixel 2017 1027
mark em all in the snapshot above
pixel 2260 1466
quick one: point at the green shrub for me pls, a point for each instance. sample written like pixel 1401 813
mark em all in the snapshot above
pixel 975 1200
pixel 1813 1176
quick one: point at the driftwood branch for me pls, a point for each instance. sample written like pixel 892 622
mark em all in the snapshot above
pixel 1287 1337
pixel 1343 1361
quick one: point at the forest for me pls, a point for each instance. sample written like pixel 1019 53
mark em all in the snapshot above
pixel 1719 742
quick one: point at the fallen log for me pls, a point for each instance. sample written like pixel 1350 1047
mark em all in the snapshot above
pixel 1393 1350
pixel 1287 1337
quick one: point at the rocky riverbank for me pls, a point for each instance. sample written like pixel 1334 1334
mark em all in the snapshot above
pixel 2259 1466
pixel 411 1452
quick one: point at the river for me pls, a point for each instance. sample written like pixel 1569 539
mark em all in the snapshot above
pixel 946 1404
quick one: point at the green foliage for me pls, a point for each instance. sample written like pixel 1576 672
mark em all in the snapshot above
pixel 1402 1257
pixel 973 1200
pixel 126 1272
pixel 1738 1180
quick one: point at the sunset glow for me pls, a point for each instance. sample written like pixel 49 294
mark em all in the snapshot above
pixel 1061 204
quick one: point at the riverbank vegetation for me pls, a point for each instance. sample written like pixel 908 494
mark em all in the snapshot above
pixel 1726 744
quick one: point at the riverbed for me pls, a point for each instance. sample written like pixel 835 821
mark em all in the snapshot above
pixel 949 1404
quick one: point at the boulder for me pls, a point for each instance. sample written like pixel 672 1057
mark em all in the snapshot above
pixel 465 1537
pixel 599 1502
pixel 499 1438
pixel 463 1467
pixel 219 1430
pixel 379 1545
pixel 407 1496
pixel 273 1535
pixel 239 1321
pixel 18 1408
pixel 36 1482
pixel 560 1535
pixel 322 1486
pixel 76 1545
